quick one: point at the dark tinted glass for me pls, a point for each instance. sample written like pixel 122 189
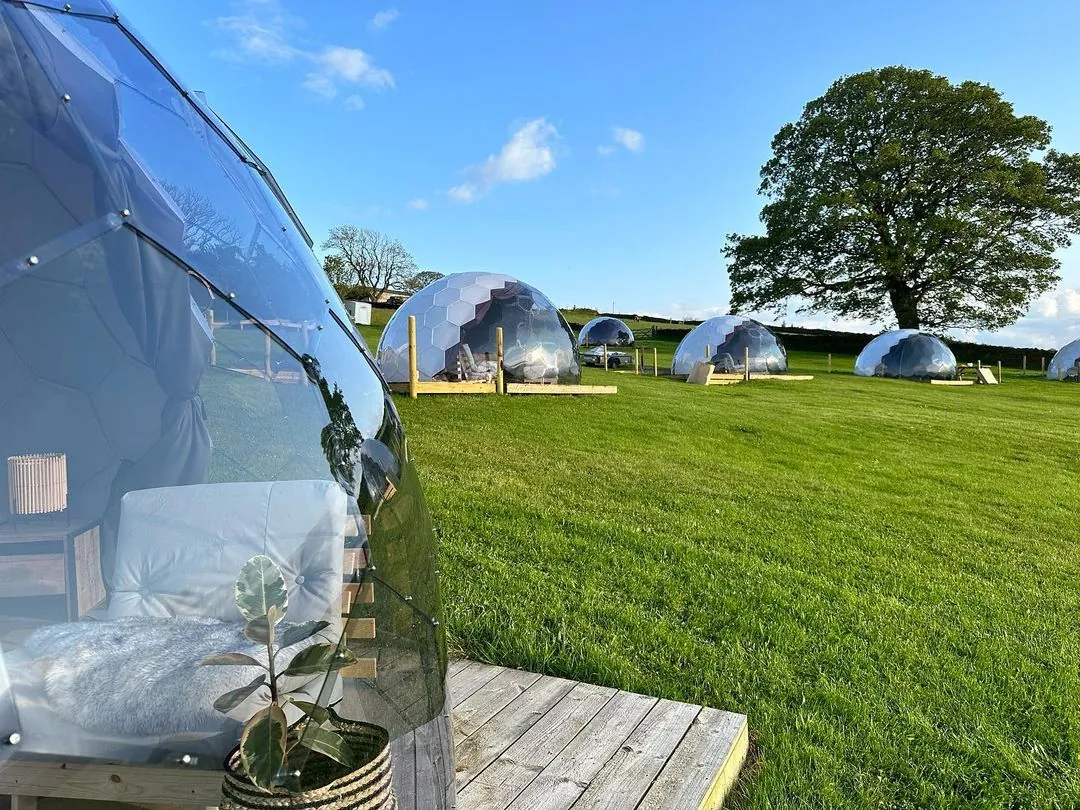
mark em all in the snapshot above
pixel 606 332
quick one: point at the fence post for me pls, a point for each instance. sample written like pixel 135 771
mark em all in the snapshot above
pixel 830 362
pixel 1042 364
pixel 500 383
pixel 999 371
pixel 746 364
pixel 605 357
pixel 414 373
pixel 637 361
pixel 655 370
pixel 1024 372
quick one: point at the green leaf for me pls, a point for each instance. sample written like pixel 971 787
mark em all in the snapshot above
pixel 258 630
pixel 299 632
pixel 230 700
pixel 313 710
pixel 262 745
pixel 329 743
pixel 260 586
pixel 230 660
pixel 319 658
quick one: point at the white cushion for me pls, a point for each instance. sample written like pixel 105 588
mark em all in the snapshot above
pixel 179 549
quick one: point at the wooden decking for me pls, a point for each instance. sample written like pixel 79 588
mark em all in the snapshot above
pixel 531 742
pixel 523 742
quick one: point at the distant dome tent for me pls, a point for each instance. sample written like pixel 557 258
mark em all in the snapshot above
pixel 727 337
pixel 906 354
pixel 456 319
pixel 606 331
pixel 1064 365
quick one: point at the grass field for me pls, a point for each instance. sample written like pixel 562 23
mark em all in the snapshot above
pixel 880 574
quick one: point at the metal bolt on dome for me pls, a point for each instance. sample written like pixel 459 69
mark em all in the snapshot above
pixel 65 98
pixel 32 261
pixel 126 212
pixel 14 738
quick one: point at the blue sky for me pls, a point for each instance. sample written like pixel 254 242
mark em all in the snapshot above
pixel 600 151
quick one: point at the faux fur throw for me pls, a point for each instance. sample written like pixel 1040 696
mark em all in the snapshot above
pixel 140 676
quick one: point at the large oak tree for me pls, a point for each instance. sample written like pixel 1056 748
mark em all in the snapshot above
pixel 898 193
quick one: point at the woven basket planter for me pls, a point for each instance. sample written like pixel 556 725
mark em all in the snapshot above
pixel 325 784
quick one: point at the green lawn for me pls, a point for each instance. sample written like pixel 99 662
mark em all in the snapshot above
pixel 882 575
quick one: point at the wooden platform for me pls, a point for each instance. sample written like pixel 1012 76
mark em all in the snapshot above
pixel 522 742
pixel 440 387
pixel 531 742
pixel 566 390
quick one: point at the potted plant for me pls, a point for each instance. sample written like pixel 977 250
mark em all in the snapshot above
pixel 320 760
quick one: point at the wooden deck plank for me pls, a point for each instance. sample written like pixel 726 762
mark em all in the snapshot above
pixel 626 777
pixel 489 700
pixel 513 770
pixel 567 776
pixel 703 767
pixel 472 754
pixel 565 390
pixel 468 679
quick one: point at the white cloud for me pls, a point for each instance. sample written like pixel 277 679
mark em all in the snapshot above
pixel 354 102
pixel 1057 304
pixel 263 34
pixel 528 155
pixel 605 149
pixel 382 19
pixel 630 138
pixel 354 66
pixel 419 204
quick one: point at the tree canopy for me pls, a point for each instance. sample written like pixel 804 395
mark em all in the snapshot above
pixel 420 280
pixel 899 195
pixel 367 261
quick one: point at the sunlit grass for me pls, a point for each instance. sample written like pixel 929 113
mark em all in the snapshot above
pixel 880 574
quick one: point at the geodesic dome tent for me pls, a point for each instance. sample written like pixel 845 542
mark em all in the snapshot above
pixel 181 391
pixel 606 331
pixel 456 318
pixel 908 354
pixel 1065 364
pixel 727 337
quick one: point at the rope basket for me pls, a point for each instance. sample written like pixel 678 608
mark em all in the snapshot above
pixel 325 784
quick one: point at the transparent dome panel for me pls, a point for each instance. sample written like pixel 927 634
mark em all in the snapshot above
pixel 724 340
pixel 456 319
pixel 906 354
pixel 182 396
pixel 1065 364
pixel 179 177
pixel 605 331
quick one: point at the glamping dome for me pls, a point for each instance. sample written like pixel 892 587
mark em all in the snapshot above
pixel 727 337
pixel 906 353
pixel 182 392
pixel 456 318
pixel 1064 364
pixel 605 331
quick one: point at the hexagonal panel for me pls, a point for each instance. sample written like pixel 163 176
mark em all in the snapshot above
pixel 459 280
pixel 475 294
pixel 460 313
pixel 14 374
pixel 128 404
pixel 445 336
pixel 57 333
pixel 436 316
pixel 446 296
pixel 48 419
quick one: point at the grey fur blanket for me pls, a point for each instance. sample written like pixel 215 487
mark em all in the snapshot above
pixel 139 676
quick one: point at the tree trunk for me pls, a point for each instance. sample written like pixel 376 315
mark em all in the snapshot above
pixel 905 305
